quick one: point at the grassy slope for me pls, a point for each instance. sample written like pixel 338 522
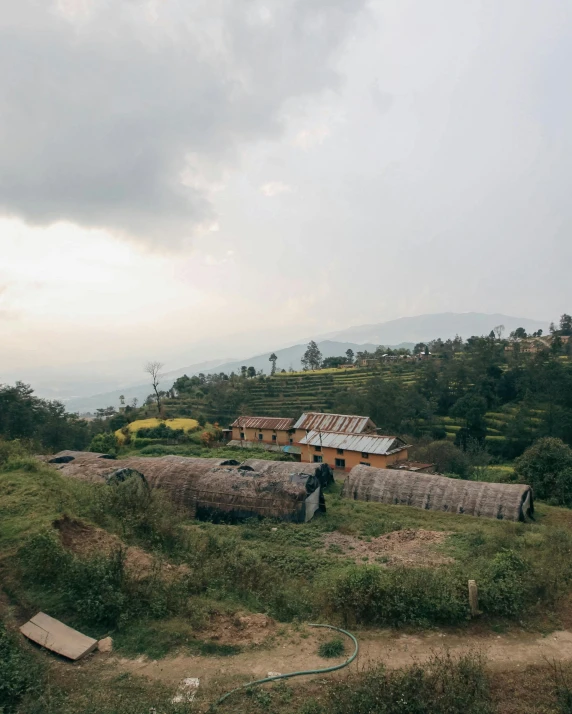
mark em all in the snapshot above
pixel 33 496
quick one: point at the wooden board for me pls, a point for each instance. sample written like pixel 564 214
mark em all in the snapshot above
pixel 57 637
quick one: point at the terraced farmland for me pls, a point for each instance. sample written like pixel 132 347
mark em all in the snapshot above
pixel 287 394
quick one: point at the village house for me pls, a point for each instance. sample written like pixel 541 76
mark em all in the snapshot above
pixel 344 451
pixel 263 430
pixel 339 440
pixel 534 345
pixel 344 423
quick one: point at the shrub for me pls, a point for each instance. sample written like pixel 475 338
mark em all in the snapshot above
pixel 547 467
pixel 332 648
pixel 104 443
pixel 441 686
pixel 10 450
pixel 19 673
pixel 447 457
pixel 370 595
pixel 142 513
pixel 98 590
pixel 506 586
pixel 161 431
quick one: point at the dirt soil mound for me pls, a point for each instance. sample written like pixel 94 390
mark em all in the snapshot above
pixel 407 547
pixel 86 540
pixel 240 629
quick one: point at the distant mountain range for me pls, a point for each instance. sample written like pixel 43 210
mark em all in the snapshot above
pixel 404 332
pixel 423 328
pixel 288 357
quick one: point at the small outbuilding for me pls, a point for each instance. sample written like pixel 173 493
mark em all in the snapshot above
pixel 512 502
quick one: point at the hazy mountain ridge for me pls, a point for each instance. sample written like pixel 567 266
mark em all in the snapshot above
pixel 423 328
pixel 403 332
pixel 288 357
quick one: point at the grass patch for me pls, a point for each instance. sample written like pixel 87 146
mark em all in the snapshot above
pixel 158 639
pixel 332 648
pixel 21 675
pixel 442 686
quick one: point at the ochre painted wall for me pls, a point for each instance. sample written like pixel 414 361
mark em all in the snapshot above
pixel 352 458
pixel 282 435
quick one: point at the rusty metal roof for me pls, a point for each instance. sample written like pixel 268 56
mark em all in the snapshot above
pixel 334 422
pixel 250 422
pixel 365 443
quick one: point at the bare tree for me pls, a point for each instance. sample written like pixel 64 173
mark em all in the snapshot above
pixel 498 330
pixel 153 369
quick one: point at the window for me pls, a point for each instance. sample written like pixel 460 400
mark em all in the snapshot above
pixel 291 441
pixel 364 463
pixel 364 455
pixel 273 437
pixel 340 463
pixel 242 435
pixel 317 459
pixel 340 451
pixel 260 437
pixel 317 448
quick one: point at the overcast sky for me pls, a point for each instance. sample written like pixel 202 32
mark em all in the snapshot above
pixel 189 179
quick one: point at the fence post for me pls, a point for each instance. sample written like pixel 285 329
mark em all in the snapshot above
pixel 474 598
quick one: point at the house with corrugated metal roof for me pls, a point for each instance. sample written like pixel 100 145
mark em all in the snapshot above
pixel 344 451
pixel 343 423
pixel 263 430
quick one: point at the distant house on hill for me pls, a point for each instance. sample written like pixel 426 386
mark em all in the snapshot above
pixel 263 430
pixel 344 451
pixel 533 345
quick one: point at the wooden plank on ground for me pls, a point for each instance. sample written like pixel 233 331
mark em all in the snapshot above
pixel 57 637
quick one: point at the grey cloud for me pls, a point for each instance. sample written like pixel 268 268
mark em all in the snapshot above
pixel 100 107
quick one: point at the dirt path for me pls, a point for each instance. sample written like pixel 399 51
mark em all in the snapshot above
pixel 298 651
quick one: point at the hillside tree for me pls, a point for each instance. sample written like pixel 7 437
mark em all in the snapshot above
pixel 273 358
pixel 566 325
pixel 547 467
pixel 519 334
pixel 153 369
pixel 350 356
pixel 312 358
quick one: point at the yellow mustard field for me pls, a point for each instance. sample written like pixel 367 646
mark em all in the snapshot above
pixel 186 424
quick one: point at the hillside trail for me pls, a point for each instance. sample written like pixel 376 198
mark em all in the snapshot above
pixel 297 650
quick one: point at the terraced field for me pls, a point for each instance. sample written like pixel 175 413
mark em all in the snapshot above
pixel 290 394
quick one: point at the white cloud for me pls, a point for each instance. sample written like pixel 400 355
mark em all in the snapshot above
pixel 307 138
pixel 275 188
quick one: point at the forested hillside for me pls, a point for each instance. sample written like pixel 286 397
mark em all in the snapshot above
pixel 485 389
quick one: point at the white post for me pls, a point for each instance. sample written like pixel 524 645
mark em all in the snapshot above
pixel 474 598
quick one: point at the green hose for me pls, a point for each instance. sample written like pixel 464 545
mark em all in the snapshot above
pixel 298 674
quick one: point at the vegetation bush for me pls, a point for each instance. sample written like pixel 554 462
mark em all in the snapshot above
pixel 11 450
pixel 139 513
pixel 20 674
pixel 547 467
pixel 371 595
pixel 161 431
pixel 334 647
pixel 99 590
pixel 447 457
pixel 506 585
pixel 104 443
pixel 441 686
